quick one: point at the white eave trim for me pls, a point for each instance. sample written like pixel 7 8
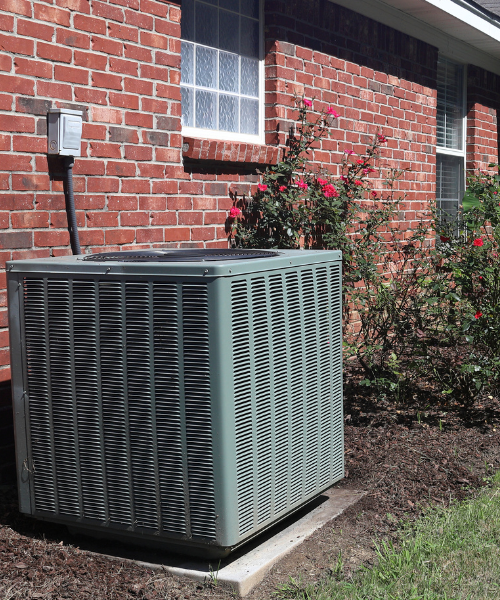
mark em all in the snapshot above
pixel 458 29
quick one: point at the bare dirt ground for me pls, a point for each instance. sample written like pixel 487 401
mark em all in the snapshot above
pixel 406 457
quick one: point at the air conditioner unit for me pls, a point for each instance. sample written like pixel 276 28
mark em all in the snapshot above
pixel 181 398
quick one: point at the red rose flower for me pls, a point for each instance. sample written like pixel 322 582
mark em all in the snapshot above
pixel 234 212
pixel 282 188
pixel 444 239
pixel 262 187
pixel 358 182
pixel 478 314
pixel 478 242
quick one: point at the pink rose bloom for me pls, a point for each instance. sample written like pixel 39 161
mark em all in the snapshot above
pixel 322 181
pixel 478 242
pixel 349 152
pixel 302 185
pixel 382 139
pixel 282 188
pixel 366 171
pixel 330 111
pixel 234 212
pixel 307 102
pixel 330 191
pixel 262 187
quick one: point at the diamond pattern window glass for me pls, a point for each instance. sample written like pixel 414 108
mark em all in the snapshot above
pixel 220 71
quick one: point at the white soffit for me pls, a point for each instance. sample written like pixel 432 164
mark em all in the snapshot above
pixel 458 29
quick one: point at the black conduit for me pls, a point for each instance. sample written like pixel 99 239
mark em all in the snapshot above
pixel 69 161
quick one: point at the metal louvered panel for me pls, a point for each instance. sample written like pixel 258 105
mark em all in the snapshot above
pixel 311 401
pixel 63 417
pixel 88 407
pixel 242 360
pixel 140 385
pixel 263 409
pixel 287 384
pixel 198 410
pixel 335 462
pixel 38 387
pixel 277 299
pixel 297 357
pixel 114 401
pixel 167 365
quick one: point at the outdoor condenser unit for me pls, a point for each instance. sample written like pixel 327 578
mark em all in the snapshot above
pixel 181 398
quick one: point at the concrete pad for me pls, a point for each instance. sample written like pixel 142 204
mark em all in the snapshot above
pixel 246 568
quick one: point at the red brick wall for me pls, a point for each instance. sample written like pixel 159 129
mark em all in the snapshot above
pixel 483 111
pixel 376 78
pixel 119 62
pixel 138 182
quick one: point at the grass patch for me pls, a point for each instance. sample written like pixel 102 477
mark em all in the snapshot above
pixel 450 554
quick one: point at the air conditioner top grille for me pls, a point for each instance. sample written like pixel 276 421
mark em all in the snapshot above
pixel 195 255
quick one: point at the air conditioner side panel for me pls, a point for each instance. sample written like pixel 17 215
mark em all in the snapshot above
pixel 287 380
pixel 223 412
pixel 19 399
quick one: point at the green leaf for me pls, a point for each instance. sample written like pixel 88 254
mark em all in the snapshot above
pixel 470 201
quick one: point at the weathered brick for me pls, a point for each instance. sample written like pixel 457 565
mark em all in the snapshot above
pixel 35 68
pixel 122 134
pixel 90 24
pixel 17 123
pixel 20 7
pixel 29 220
pixel 53 52
pixel 35 30
pixel 70 74
pixel 16 239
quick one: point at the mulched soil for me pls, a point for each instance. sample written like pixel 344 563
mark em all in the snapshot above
pixel 406 457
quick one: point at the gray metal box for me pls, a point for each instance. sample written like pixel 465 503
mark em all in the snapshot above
pixel 64 132
pixel 183 404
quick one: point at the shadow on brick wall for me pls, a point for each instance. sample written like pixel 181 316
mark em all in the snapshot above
pixel 7 454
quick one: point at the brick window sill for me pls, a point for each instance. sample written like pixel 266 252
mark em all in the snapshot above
pixel 229 152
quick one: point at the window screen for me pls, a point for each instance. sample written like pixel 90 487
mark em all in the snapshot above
pixel 220 65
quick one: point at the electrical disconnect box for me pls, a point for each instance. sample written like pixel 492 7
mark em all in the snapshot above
pixel 64 132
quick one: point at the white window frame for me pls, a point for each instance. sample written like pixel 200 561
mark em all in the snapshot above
pixel 440 150
pixel 215 134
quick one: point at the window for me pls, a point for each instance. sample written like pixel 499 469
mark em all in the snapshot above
pixel 450 154
pixel 221 70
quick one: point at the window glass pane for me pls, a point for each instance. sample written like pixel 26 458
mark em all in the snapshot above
pixel 211 2
pixel 233 5
pixel 250 76
pixel 229 33
pixel 206 67
pixel 249 116
pixel 187 63
pixel 206 109
pixel 449 183
pixel 250 8
pixel 187 103
pixel 450 105
pixel 228 72
pixel 206 25
pixel 228 113
pixel 249 37
pixel 187 20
